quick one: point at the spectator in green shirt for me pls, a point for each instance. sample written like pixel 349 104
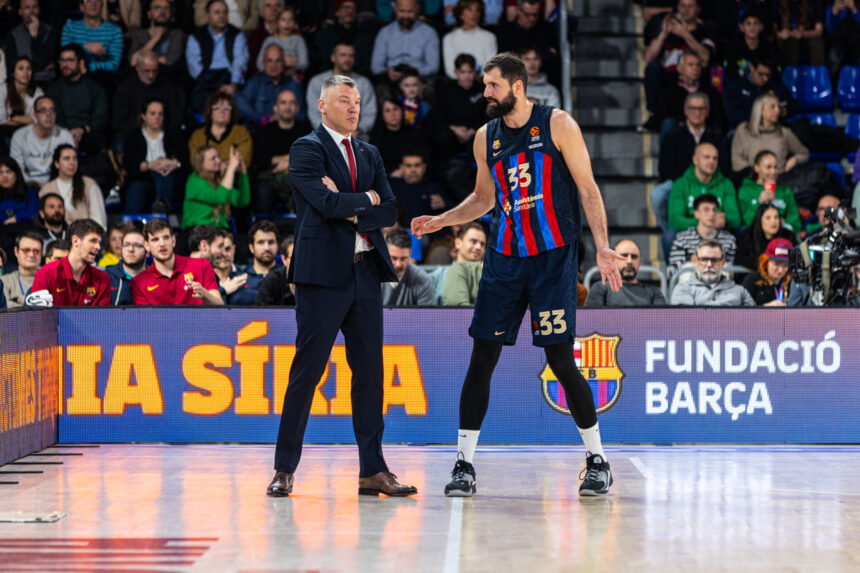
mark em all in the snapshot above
pixel 210 195
pixel 752 193
pixel 703 176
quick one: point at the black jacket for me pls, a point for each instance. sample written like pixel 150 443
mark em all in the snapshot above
pixel 275 289
pixel 135 153
pixel 676 153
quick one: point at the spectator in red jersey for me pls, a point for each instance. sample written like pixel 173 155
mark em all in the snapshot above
pixel 74 281
pixel 172 279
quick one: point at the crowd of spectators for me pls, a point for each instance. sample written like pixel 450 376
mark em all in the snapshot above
pixel 182 114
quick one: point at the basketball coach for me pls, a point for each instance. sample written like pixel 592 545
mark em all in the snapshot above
pixel 339 260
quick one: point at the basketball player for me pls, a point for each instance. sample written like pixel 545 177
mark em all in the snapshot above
pixel 531 160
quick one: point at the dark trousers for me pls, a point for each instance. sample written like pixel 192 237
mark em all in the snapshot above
pixel 354 308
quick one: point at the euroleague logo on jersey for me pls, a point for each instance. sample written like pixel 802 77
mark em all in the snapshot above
pixel 596 356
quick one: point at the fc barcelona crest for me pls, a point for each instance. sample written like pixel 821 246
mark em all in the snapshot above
pixel 596 357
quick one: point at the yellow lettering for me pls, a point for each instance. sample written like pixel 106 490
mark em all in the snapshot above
pixel 217 386
pixel 341 403
pixel 252 361
pixel 401 361
pixel 61 373
pixel 120 392
pixel 283 361
pixel 84 399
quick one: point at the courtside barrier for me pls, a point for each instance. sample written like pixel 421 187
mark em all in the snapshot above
pixel 663 375
pixel 28 382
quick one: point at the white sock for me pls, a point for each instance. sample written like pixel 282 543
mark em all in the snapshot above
pixel 591 439
pixel 467 441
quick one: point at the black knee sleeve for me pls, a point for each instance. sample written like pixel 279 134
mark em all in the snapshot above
pixel 580 401
pixel 475 396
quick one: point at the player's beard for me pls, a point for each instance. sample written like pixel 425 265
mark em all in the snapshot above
pixel 709 276
pixel 629 273
pixel 502 108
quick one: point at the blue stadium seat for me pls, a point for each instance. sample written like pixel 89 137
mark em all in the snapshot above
pixel 141 217
pixel 811 86
pixel 848 89
pixel 839 173
pixel 821 119
pixel 852 128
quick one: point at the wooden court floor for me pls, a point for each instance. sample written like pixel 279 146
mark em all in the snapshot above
pixel 148 508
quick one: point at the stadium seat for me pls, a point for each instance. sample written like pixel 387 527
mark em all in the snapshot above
pixel 839 173
pixel 810 86
pixel 848 89
pixel 821 119
pixel 852 128
pixel 142 218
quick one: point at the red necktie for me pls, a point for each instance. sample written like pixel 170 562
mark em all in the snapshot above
pixel 351 158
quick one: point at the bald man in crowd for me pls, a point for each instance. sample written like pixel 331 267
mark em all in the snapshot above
pixel 632 292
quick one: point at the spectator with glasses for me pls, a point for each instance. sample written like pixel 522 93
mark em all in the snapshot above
pixel 132 263
pixel 33 145
pixel 17 284
pixel 221 129
pixel 709 287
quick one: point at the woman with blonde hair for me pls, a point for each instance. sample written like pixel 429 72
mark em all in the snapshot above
pixel 209 195
pixel 763 132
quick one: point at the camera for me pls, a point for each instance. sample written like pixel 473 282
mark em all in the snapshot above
pixel 824 263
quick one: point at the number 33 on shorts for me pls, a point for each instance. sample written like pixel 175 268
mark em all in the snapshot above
pixel 551 322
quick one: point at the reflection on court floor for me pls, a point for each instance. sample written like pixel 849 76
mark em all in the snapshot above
pixel 163 508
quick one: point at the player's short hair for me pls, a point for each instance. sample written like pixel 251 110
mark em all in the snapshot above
pixel 155 225
pixel 468 227
pixel 132 230
pixel 510 67
pixel 690 53
pixel 706 198
pixel 225 234
pixel 83 227
pixel 61 244
pixel 263 225
pixel 199 234
pixel 399 238
pixel 698 95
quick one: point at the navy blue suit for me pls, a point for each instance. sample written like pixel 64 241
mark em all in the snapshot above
pixel 334 293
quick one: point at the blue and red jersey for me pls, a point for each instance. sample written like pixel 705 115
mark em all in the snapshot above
pixel 537 204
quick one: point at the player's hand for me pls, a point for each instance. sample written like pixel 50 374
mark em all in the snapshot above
pixel 608 269
pixel 374 198
pixel 425 224
pixel 197 289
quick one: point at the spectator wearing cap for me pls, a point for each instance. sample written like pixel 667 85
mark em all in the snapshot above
pixel 414 287
pixel 407 41
pixel 771 283
pixel 172 279
pixel 216 54
pixel 632 292
pixel 74 280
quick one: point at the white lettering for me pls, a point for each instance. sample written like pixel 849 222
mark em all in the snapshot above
pixel 709 395
pixel 683 398
pixel 759 398
pixel 655 398
pixel 738 346
pixel 652 355
pixel 687 365
pixel 731 408
pixel 835 354
pixel 780 356
pixel 712 356
pixel 762 357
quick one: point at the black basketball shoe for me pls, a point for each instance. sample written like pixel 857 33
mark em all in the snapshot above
pixel 598 478
pixel 462 480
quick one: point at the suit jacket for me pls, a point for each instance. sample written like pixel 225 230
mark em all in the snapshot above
pixel 325 240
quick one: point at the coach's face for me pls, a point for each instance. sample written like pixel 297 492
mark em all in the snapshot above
pixel 340 106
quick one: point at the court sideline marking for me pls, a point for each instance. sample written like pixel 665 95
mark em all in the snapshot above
pixel 455 530
pixel 637 463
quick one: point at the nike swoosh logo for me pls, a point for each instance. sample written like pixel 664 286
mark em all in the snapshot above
pixel 496 153
pixel 60 289
pixel 152 288
pixel 497 333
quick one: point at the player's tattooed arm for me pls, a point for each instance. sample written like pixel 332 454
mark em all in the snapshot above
pixel 480 201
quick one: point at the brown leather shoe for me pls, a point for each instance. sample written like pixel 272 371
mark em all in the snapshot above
pixel 281 486
pixel 386 483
